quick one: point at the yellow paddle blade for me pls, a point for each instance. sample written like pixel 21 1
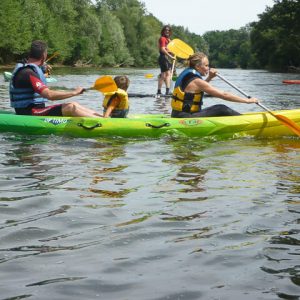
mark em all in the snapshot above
pixel 149 75
pixel 288 122
pixel 105 84
pixel 180 48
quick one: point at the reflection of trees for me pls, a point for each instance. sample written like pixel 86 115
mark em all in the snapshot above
pixel 106 183
pixel 187 155
pixel 162 105
pixel 289 163
pixel 188 186
pixel 282 258
pixel 25 178
pixel 282 253
pixel 25 156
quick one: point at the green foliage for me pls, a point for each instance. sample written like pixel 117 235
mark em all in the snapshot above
pixel 123 33
pixel 149 32
pixel 15 32
pixel 103 32
pixel 87 35
pixel 275 38
pixel 229 49
pixel 112 49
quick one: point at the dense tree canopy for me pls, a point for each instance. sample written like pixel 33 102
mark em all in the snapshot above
pixel 123 33
pixel 230 49
pixel 275 38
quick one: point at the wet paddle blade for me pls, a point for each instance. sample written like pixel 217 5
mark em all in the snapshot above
pixel 180 48
pixel 105 84
pixel 289 123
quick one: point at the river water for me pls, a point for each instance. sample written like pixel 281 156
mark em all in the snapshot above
pixel 138 219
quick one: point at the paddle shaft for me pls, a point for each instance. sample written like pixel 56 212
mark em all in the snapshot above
pixel 245 94
pixel 52 56
pixel 172 70
pixel 284 120
pixel 137 95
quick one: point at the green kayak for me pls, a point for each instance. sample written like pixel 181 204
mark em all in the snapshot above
pixel 259 124
pixel 7 77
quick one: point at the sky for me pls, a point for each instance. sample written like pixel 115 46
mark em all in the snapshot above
pixel 199 16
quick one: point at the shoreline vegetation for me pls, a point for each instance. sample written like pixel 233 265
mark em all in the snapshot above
pixel 117 33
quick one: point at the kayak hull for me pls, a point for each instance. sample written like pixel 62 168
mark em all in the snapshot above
pixel 260 124
pixel 291 81
pixel 8 75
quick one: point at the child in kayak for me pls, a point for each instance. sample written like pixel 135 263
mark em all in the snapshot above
pixel 187 98
pixel 116 104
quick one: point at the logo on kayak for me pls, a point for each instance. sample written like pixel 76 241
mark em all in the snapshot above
pixel 56 121
pixel 190 122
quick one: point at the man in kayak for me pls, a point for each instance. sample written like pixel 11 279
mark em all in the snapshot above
pixel 187 98
pixel 29 91
pixel 116 104
pixel 164 59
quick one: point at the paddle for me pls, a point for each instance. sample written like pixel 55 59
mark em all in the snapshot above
pixel 180 49
pixel 173 68
pixel 149 75
pixel 48 68
pixel 283 119
pixel 137 95
pixel 52 56
pixel 104 84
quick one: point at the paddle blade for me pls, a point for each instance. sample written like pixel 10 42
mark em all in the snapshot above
pixel 289 123
pixel 149 75
pixel 180 48
pixel 105 84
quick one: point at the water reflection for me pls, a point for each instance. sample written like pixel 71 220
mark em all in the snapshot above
pixel 26 171
pixel 283 240
pixel 162 105
pixel 190 177
pixel 106 181
pixel 115 217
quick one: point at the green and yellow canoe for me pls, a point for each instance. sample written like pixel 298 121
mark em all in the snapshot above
pixel 258 124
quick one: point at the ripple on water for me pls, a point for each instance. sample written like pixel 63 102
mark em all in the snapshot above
pixel 112 218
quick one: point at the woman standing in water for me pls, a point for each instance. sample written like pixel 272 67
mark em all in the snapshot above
pixel 164 60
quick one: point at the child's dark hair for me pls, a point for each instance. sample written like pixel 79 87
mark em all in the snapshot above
pixel 122 82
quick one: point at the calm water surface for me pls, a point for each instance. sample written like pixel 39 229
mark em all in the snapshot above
pixel 173 218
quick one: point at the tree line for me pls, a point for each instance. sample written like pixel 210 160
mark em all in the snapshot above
pixel 122 33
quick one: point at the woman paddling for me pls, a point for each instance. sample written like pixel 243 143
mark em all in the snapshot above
pixel 187 98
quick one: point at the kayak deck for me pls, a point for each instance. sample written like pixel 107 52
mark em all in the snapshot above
pixel 260 124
